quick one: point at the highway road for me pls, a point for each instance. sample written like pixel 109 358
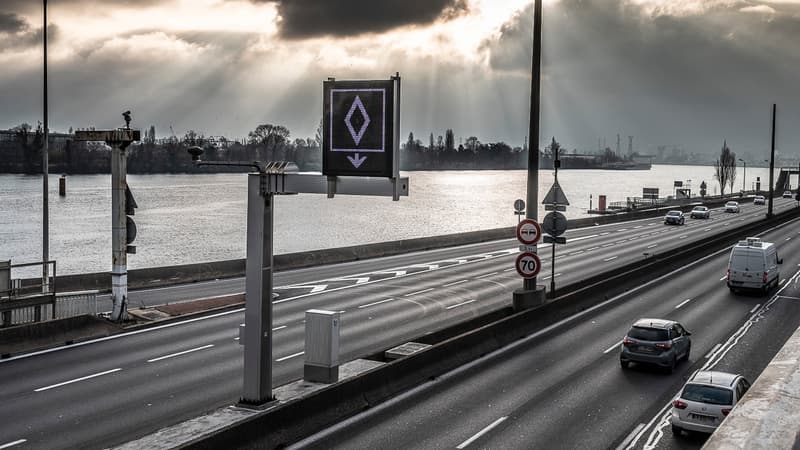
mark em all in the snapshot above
pixel 564 387
pixel 112 390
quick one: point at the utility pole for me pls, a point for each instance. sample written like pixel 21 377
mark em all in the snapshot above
pixel 45 166
pixel 531 294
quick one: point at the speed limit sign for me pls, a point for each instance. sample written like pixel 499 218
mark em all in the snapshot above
pixel 528 265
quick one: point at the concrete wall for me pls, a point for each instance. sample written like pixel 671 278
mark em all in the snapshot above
pixel 768 417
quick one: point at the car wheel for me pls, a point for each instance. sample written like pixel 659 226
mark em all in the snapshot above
pixel 688 350
pixel 624 364
pixel 672 364
pixel 676 430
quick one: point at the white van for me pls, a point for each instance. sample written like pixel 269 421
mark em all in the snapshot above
pixel 753 265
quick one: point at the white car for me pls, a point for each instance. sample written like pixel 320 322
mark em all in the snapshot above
pixel 732 207
pixel 787 194
pixel 700 212
pixel 759 200
pixel 705 400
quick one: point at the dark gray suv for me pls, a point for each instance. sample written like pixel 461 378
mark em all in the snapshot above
pixel 656 341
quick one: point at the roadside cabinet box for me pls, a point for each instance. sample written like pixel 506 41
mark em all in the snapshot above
pixel 5 278
pixel 322 338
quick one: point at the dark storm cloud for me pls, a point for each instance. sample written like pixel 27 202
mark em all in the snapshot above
pixel 608 66
pixel 16 33
pixel 309 18
pixel 12 23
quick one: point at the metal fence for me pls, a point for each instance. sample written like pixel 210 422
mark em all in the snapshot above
pixel 67 304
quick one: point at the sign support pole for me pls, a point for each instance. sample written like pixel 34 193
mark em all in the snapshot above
pixel 119 256
pixel 257 381
pixel 532 295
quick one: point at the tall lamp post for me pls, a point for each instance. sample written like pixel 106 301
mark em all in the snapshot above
pixel 530 293
pixel 744 177
pixel 45 166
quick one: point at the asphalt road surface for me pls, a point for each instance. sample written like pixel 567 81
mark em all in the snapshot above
pixel 112 390
pixel 564 388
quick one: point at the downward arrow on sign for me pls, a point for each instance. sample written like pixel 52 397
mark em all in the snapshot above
pixel 356 160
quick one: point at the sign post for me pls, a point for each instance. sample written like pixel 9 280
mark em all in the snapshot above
pixel 555 223
pixel 119 140
pixel 361 134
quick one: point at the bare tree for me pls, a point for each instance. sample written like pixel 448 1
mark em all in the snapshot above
pixel 725 168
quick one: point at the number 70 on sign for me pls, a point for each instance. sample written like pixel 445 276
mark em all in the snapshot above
pixel 528 265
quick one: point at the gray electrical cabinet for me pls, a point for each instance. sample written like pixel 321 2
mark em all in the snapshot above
pixel 5 278
pixel 322 346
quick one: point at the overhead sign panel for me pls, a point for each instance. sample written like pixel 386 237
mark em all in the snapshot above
pixel 358 128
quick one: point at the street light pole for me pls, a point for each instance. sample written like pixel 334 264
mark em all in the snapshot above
pixel 530 294
pixel 45 166
pixel 744 177
pixel 772 163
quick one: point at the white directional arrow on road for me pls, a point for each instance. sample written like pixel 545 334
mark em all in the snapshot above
pixel 314 287
pixel 358 280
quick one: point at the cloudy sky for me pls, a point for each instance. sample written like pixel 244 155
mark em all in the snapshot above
pixel 669 72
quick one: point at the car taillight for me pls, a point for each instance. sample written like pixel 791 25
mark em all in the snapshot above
pixel 725 411
pixel 665 346
pixel 626 342
pixel 679 404
pixel 764 279
pixel 729 275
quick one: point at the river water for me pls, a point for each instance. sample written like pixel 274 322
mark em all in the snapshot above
pixel 188 218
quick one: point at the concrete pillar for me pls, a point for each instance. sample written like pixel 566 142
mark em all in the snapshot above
pixel 119 256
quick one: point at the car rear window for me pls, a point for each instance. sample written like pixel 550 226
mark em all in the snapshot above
pixel 648 334
pixel 707 394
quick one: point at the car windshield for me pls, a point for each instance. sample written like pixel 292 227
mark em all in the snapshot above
pixel 674 213
pixel 731 204
pixel 700 208
pixel 707 394
pixel 648 334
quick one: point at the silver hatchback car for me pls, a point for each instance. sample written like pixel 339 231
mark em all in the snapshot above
pixel 705 400
pixel 656 341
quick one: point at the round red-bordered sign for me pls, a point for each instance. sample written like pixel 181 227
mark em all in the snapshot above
pixel 528 265
pixel 529 231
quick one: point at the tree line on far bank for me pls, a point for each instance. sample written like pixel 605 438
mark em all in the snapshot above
pixel 21 152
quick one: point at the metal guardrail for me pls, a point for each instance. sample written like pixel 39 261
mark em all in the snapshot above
pixel 67 304
pixel 26 301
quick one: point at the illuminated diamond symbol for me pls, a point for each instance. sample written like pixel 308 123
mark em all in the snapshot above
pixel 357 104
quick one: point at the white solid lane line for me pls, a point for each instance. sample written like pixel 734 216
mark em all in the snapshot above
pixel 486 275
pixel 610 258
pixel 482 432
pixel 713 350
pixel 180 353
pixel 723 278
pixel 755 308
pixel 419 292
pixel 279 328
pixel 630 436
pixel 652 246
pixel 77 379
pixel 290 356
pixel 683 303
pixel 11 444
pixel 460 304
pixel 613 347
pixel 376 303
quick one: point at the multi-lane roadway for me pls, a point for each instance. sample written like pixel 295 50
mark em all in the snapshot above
pixel 111 390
